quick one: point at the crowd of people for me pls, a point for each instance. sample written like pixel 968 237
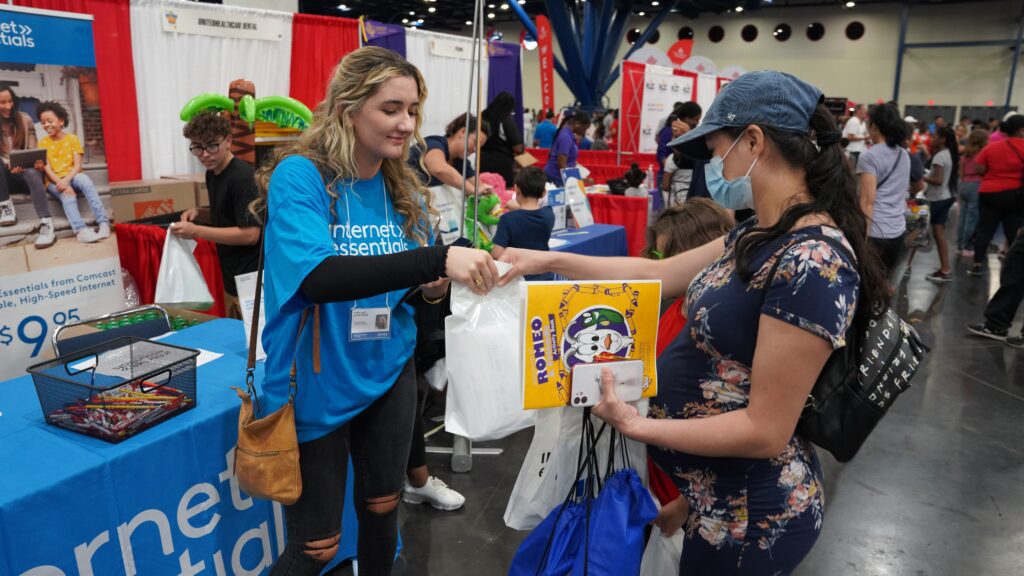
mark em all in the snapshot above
pixel 976 166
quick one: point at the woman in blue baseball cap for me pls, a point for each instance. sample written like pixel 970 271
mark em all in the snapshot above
pixel 767 304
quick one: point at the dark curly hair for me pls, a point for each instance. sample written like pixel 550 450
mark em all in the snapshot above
pixel 55 108
pixel 207 127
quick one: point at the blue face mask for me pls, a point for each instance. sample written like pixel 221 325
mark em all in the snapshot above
pixel 735 194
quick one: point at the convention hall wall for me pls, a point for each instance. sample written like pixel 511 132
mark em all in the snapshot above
pixel 862 70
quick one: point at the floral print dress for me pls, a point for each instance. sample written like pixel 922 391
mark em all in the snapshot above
pixel 750 516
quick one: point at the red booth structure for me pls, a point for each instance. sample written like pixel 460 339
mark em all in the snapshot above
pixel 141 247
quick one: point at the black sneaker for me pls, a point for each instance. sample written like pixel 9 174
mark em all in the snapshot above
pixel 939 277
pixel 980 329
pixel 977 271
pixel 1015 341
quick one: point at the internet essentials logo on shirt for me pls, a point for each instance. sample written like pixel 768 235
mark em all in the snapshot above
pixel 369 239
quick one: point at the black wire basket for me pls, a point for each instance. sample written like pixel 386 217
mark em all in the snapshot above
pixel 117 389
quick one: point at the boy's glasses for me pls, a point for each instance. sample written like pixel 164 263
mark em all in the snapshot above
pixel 198 149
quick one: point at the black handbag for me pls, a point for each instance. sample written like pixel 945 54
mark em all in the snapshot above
pixel 861 380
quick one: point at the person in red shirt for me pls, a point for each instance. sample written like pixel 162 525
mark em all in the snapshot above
pixel 1001 194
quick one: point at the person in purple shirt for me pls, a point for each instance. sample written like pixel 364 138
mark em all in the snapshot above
pixel 566 147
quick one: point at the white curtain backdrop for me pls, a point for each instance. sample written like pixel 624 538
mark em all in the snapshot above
pixel 172 67
pixel 448 80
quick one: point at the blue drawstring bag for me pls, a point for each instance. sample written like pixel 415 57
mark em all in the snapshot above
pixel 556 539
pixel 615 536
pixel 552 547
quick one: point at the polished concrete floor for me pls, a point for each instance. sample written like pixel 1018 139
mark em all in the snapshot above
pixel 938 489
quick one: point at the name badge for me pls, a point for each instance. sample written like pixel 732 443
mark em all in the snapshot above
pixel 370 324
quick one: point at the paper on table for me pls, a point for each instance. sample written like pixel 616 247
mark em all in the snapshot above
pixel 205 356
pixel 246 285
pixel 556 243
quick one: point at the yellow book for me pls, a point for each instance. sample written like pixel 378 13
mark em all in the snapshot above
pixel 570 323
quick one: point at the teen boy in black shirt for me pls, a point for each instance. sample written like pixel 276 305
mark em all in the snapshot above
pixel 227 222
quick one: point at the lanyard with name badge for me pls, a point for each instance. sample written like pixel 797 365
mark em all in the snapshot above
pixel 369 323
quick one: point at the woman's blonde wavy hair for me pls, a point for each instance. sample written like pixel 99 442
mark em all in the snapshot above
pixel 330 140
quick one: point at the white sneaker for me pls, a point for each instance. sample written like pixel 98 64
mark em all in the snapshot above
pixel 436 493
pixel 104 230
pixel 46 238
pixel 87 236
pixel 7 215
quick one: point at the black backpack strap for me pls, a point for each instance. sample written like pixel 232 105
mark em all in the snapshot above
pixel 833 242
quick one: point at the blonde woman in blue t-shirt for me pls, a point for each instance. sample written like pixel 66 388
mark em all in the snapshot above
pixel 348 227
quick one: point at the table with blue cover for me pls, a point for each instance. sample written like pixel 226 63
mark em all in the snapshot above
pixel 163 502
pixel 593 240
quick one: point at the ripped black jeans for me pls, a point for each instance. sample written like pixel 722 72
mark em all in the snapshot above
pixel 378 439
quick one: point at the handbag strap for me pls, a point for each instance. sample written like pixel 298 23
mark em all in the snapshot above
pixel 1009 143
pixel 250 366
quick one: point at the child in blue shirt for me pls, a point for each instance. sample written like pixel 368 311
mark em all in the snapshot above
pixel 529 226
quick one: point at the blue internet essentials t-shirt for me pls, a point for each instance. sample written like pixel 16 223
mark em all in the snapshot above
pixel 530 229
pixel 299 236
pixel 434 143
pixel 544 134
pixel 565 143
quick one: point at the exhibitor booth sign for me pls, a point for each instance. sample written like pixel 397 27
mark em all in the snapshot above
pixel 45 57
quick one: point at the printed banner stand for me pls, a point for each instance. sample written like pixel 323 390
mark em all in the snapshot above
pixel 246 286
pixel 48 278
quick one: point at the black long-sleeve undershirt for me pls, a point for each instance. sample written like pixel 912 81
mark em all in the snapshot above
pixel 347 278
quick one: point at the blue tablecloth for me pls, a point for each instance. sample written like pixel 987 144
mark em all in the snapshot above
pixel 154 504
pixel 593 240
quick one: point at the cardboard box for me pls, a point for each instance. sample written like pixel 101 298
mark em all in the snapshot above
pixel 137 199
pixel 199 181
pixel 526 159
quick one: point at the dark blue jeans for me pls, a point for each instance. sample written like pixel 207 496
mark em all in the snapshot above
pixel 378 440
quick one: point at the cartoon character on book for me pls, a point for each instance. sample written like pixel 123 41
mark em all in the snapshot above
pixel 598 334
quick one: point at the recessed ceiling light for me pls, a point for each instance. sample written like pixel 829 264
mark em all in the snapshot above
pixel 504 6
pixel 490 15
pixel 344 7
pixel 642 13
pixel 412 13
pixel 851 4
pixel 469 22
pixel 521 2
pixel 655 3
pixel 431 9
pixel 405 20
pixel 739 9
pixel 490 5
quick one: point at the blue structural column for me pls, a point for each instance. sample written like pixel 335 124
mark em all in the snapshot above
pixel 904 19
pixel 590 44
pixel 1016 60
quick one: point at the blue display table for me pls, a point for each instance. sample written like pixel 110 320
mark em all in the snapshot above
pixel 162 502
pixel 593 240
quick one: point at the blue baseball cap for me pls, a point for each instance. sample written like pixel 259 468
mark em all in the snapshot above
pixel 764 97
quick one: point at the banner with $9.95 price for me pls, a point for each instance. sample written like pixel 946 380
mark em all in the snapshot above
pixel 34 304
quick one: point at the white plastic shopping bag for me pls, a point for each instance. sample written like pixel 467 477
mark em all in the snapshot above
pixel 482 357
pixel 180 282
pixel 550 464
pixel 662 554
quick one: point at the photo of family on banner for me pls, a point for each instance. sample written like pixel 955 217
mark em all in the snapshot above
pixel 599 527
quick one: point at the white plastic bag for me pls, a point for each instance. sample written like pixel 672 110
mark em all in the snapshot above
pixel 180 282
pixel 662 555
pixel 482 357
pixel 551 463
